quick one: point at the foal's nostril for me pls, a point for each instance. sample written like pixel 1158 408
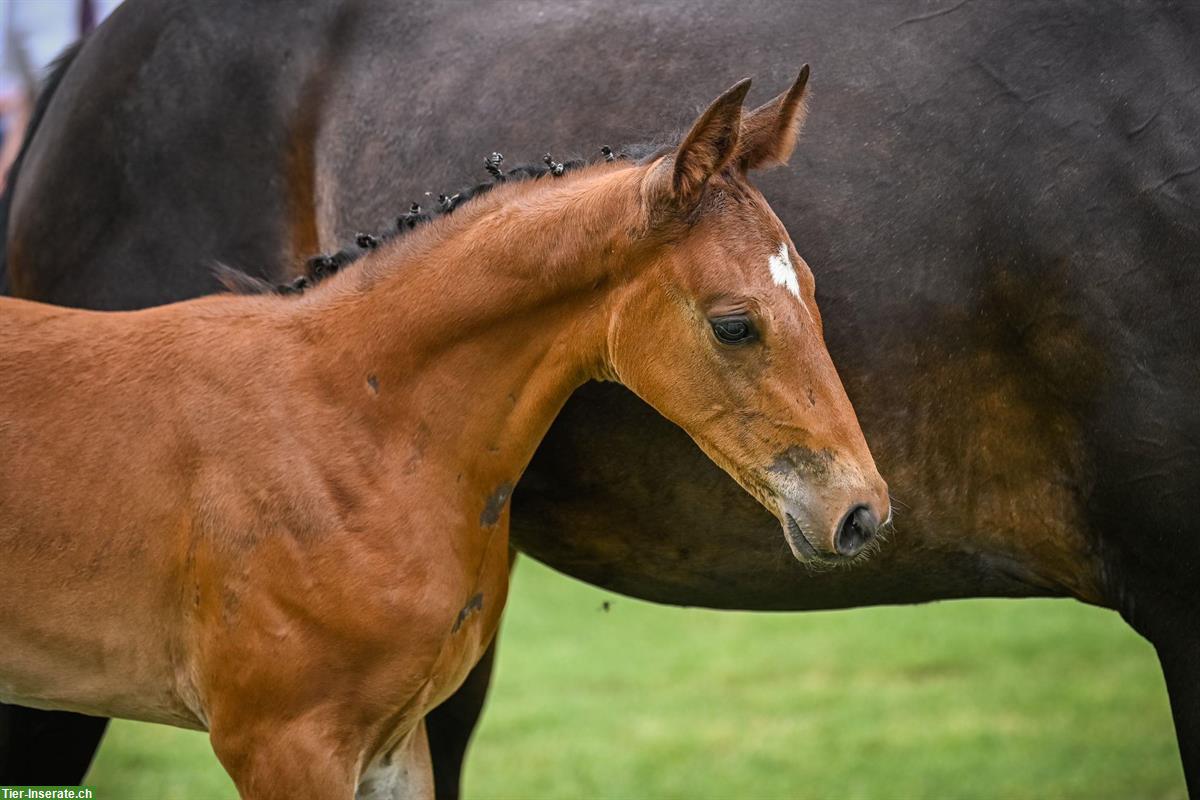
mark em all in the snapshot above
pixel 856 530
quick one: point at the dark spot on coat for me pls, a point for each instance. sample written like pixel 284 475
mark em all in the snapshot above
pixel 373 384
pixel 473 605
pixel 495 504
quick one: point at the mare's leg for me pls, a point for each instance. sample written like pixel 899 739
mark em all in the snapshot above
pixel 1179 654
pixel 1152 604
pixel 285 761
pixel 46 748
pixel 453 722
pixel 403 774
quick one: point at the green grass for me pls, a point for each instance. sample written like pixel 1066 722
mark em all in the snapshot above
pixel 979 699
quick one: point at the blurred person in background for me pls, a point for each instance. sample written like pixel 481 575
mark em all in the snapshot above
pixel 32 34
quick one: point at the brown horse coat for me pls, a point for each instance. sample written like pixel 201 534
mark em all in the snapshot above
pixel 285 520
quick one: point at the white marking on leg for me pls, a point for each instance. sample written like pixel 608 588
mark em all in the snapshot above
pixel 782 271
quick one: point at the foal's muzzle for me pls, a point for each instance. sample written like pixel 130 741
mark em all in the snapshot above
pixel 854 532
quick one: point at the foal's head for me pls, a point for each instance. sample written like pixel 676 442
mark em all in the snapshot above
pixel 719 330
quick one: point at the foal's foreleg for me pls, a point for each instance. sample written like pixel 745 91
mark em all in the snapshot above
pixel 453 722
pixel 284 762
pixel 403 774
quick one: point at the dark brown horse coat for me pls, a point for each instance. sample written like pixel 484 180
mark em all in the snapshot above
pixel 998 201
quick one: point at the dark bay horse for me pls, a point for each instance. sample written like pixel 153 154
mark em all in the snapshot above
pixel 312 491
pixel 999 202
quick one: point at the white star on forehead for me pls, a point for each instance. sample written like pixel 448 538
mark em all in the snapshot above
pixel 782 271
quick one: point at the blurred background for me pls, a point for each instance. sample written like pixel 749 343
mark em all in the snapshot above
pixel 32 34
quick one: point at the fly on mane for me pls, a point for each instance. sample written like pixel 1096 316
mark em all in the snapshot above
pixel 322 266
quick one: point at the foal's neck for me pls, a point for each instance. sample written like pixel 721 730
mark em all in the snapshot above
pixel 465 343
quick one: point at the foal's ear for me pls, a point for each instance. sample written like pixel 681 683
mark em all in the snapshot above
pixel 769 131
pixel 709 146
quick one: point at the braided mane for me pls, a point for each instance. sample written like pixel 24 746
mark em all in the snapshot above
pixel 322 266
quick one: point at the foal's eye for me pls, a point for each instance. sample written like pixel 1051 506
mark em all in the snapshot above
pixel 734 330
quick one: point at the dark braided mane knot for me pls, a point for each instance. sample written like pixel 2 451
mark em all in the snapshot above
pixel 322 266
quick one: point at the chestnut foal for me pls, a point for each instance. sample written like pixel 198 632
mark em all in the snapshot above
pixel 285 519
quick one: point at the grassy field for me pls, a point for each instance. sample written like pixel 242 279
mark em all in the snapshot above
pixel 981 699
